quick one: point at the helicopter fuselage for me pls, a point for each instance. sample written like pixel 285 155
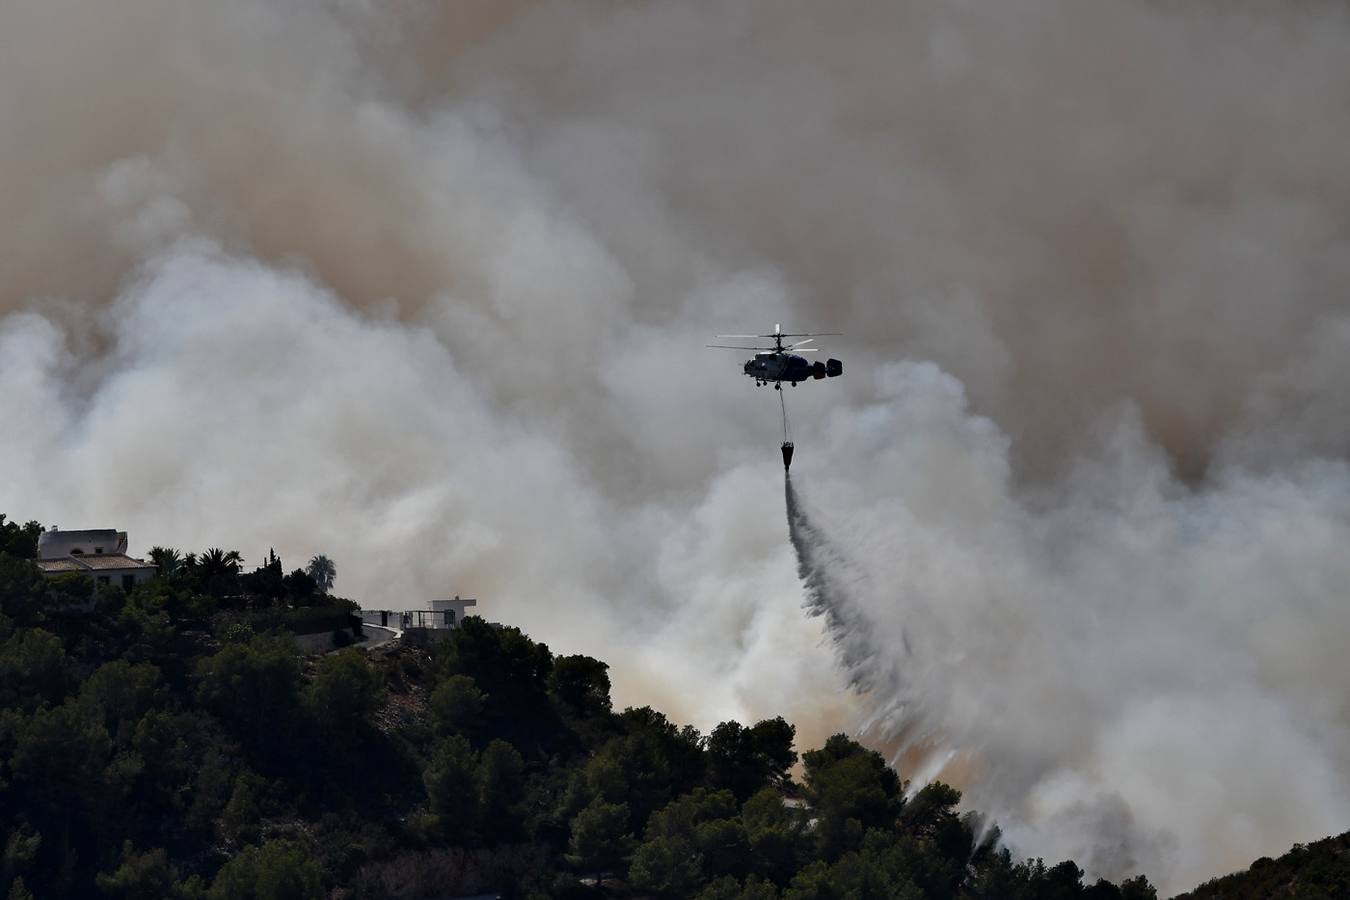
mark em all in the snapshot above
pixel 789 367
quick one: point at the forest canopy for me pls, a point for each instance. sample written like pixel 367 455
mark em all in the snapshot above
pixel 172 741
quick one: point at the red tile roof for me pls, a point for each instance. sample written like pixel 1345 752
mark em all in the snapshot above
pixel 112 561
pixel 64 564
pixel 91 562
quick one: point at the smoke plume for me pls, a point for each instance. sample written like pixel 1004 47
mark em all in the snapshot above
pixel 424 287
pixel 1126 669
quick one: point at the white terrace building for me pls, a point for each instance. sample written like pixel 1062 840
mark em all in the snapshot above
pixel 439 616
pixel 100 553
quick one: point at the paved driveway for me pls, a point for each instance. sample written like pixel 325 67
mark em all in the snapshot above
pixel 376 635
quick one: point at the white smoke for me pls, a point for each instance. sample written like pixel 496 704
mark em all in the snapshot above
pixel 1133 672
pixel 424 287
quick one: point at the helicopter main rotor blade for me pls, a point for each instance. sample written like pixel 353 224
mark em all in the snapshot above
pixel 729 347
pixel 783 334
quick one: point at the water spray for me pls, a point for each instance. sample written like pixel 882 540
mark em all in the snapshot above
pixel 831 582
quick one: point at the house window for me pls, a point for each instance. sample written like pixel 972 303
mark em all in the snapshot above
pixel 98 549
pixel 105 579
pixel 128 582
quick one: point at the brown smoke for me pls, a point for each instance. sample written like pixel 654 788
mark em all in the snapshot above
pixel 1065 207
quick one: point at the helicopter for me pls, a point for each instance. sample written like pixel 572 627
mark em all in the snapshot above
pixel 781 362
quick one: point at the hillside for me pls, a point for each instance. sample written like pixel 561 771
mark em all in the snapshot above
pixel 1316 871
pixel 171 741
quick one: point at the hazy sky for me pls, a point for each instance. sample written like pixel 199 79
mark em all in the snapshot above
pixel 425 287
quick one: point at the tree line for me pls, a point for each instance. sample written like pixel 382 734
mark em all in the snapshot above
pixel 170 741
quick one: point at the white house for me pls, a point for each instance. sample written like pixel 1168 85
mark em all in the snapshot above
pixel 449 613
pixel 439 615
pixel 100 553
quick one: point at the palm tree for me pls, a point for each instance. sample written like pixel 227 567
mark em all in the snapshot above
pixel 166 559
pixel 220 562
pixel 323 570
pixel 211 564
